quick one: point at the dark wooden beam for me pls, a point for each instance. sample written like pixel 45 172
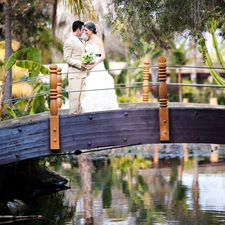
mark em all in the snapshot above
pixel 112 128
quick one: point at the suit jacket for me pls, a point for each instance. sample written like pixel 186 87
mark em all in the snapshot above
pixel 72 50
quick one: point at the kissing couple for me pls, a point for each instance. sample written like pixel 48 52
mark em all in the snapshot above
pixel 91 87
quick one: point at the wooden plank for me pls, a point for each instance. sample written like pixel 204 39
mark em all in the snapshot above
pixel 24 141
pixel 111 128
pixel 196 125
pixel 118 127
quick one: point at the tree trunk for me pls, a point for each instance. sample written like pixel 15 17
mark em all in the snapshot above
pixel 54 16
pixel 8 51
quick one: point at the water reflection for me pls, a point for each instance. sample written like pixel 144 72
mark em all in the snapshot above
pixel 85 166
pixel 151 184
pixel 154 185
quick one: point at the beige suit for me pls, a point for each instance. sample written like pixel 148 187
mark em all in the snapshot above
pixel 72 50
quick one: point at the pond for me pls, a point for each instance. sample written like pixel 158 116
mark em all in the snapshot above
pixel 147 184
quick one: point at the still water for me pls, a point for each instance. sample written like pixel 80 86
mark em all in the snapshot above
pixel 140 185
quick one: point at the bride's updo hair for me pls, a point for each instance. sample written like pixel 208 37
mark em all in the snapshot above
pixel 91 26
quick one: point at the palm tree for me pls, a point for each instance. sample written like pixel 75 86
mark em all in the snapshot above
pixel 84 9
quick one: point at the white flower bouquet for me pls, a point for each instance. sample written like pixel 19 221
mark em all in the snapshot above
pixel 87 57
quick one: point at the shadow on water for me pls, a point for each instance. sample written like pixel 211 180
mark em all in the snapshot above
pixel 149 184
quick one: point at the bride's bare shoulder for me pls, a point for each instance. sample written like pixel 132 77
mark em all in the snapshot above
pixel 97 39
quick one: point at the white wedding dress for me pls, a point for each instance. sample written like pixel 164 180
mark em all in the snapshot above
pixel 99 93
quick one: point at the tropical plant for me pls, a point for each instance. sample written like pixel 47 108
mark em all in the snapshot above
pixel 31 63
pixel 212 26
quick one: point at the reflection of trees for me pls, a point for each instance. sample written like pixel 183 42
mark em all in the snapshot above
pixel 126 177
pixel 53 208
pixel 80 172
pixel 153 195
pixel 178 209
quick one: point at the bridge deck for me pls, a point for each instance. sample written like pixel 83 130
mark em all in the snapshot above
pixel 134 124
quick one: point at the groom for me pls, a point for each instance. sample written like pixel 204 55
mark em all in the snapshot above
pixel 72 49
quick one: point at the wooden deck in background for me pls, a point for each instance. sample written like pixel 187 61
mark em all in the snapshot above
pixel 133 124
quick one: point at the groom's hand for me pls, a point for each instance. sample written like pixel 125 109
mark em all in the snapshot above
pixel 83 68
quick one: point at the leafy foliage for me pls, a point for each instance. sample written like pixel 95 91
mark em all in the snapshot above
pixel 10 111
pixel 28 20
pixel 31 53
pixel 159 21
pixel 36 102
pixel 33 66
pixel 84 9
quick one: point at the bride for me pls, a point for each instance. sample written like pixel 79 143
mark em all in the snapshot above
pixel 99 90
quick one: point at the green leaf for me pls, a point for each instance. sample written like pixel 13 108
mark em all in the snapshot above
pixel 13 58
pixel 21 104
pixel 156 53
pixel 37 99
pixel 33 66
pixel 33 106
pixel 34 55
pixel 172 44
pixel 1 63
pixel 37 103
pixel 10 111
pixel 33 74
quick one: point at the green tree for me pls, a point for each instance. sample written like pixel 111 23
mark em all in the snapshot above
pixel 159 21
pixel 28 20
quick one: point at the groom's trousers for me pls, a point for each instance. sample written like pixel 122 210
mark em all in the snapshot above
pixel 76 93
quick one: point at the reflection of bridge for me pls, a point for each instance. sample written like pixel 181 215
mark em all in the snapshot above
pixel 139 123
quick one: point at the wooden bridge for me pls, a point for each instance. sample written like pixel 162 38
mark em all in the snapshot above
pixel 57 132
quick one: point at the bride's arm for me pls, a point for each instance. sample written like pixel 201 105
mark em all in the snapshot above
pixel 102 52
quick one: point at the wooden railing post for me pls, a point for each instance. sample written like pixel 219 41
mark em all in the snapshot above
pixel 59 87
pixel 54 119
pixel 163 110
pixel 145 88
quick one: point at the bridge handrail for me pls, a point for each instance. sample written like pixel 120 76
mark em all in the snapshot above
pixel 56 99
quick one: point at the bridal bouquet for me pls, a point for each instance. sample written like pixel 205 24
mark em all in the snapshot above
pixel 87 57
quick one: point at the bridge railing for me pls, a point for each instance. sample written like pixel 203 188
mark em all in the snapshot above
pixel 56 100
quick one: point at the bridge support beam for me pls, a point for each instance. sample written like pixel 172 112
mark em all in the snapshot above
pixel 163 110
pixel 54 119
